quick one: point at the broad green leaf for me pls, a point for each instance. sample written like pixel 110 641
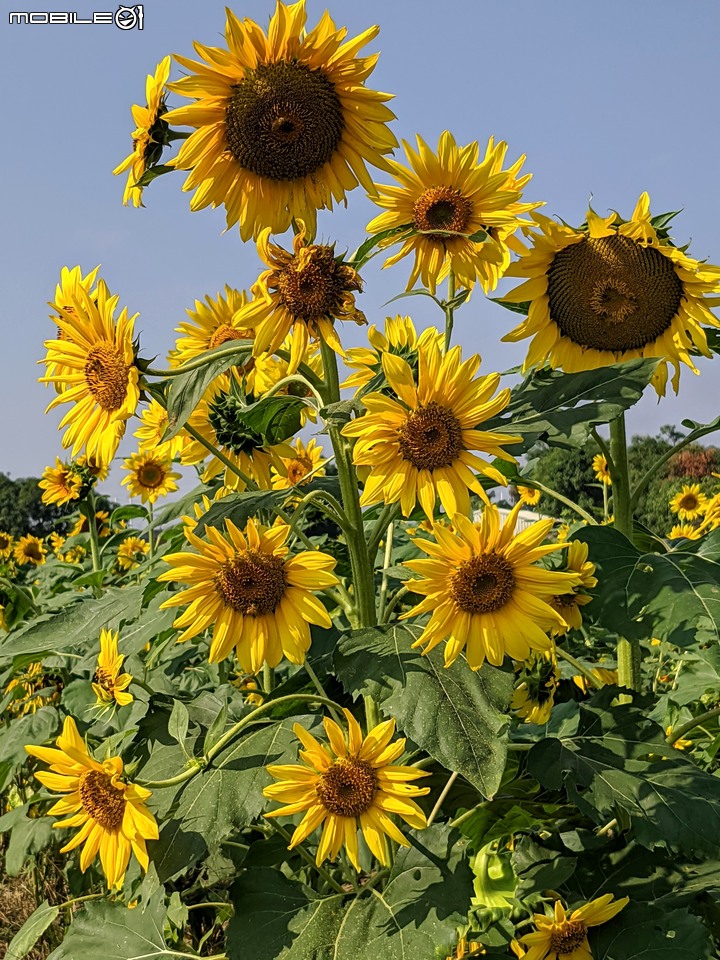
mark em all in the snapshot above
pixel 615 559
pixel 239 507
pixel 129 512
pixel 28 836
pixel 453 713
pixel 274 418
pixel 152 173
pixel 179 722
pixel 33 728
pixel 644 931
pixel 426 897
pixel 363 252
pixel 31 931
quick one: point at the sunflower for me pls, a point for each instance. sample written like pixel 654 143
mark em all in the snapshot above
pixel 568 604
pixel 60 484
pixel 285 124
pixel 601 469
pixel 400 337
pixel 686 531
pixel 30 549
pixel 484 590
pixel 74 555
pixel 34 688
pixel 449 192
pixel 110 811
pixel 150 476
pixel 131 552
pixel 689 503
pixel 613 290
pixel 534 694
pixel 56 541
pixel 102 525
pixel 257 598
pixel 151 430
pixel 306 460
pixel 212 323
pixel 249 687
pixel 418 447
pixel 605 675
pixel 352 780
pixel 465 949
pixel 109 685
pixel 681 744
pixel 97 371
pixel 7 542
pixel 65 291
pixel 301 293
pixel 529 496
pixel 95 469
pixel 565 935
pixel 150 134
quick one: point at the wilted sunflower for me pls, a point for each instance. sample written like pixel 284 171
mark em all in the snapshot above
pixel 301 293
pixel 400 338
pixel 612 291
pixel 150 134
pixel 354 780
pixel 30 549
pixel 151 430
pixel 689 503
pixel 601 469
pixel 212 323
pixel 419 447
pixel 110 812
pixel 285 124
pixel 534 694
pixel 7 542
pixel 96 369
pixel 568 604
pixel 686 531
pixel 65 292
pixel 255 596
pixel 150 476
pixel 60 484
pixel 307 459
pixel 34 688
pixel 102 524
pixel 484 591
pixel 529 496
pixel 131 552
pixel 565 935
pixel 110 686
pixel 450 192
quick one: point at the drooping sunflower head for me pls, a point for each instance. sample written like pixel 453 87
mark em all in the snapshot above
pixel 131 552
pixel 534 694
pixel 150 476
pixel 690 503
pixel 452 212
pixel 530 496
pixel 108 683
pixel 565 934
pixel 296 470
pixel 150 134
pixel 601 469
pixel 60 484
pixel 151 430
pixel 7 542
pixel 400 338
pixel 284 122
pixel 31 550
pixel 93 467
pixel 613 290
pixel 211 324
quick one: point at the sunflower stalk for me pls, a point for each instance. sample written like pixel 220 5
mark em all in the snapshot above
pixel 386 563
pixel 449 310
pixel 87 508
pixel 698 721
pixel 576 508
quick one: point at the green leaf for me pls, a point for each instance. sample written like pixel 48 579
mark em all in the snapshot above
pixel 33 728
pixel 361 255
pixel 647 932
pixel 31 931
pixel 523 307
pixel 179 722
pixel 426 897
pixel 615 559
pixel 275 418
pixel 28 836
pixel 152 173
pixel 453 713
pixel 239 507
pixel 131 511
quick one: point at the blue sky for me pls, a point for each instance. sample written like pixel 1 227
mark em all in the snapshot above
pixel 605 99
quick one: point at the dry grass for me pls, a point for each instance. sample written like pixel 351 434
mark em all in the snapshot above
pixel 18 898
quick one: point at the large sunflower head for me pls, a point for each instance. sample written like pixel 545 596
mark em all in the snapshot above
pixel 65 291
pixel 110 811
pixel 420 446
pixel 690 503
pixel 400 338
pixel 154 423
pixel 30 549
pixel 212 323
pixel 150 476
pixel 564 935
pixel 349 783
pixel 108 683
pixel 96 371
pixel 150 134
pixel 485 591
pixel 255 596
pixel 301 293
pixel 131 552
pixel 612 290
pixel 457 213
pixel 284 122
pixel 61 484
pixel 7 542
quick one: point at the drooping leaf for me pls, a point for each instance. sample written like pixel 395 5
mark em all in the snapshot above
pixel 453 713
pixel 33 728
pixel 31 931
pixel 275 418
pixel 239 507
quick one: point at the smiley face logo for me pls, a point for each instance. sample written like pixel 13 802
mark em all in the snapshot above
pixel 126 18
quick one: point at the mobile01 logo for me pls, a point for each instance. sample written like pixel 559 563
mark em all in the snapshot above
pixel 125 18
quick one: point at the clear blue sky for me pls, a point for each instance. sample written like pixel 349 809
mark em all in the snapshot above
pixel 606 99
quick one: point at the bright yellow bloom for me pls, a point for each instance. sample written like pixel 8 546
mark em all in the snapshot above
pixel 255 596
pixel 74 555
pixel 101 525
pixel 60 484
pixel 149 136
pixel 484 590
pixel 100 471
pixel 601 469
pixel 56 542
pixel 465 949
pixel 7 542
pixel 449 192
pixel 110 812
pixel 419 446
pixel 249 686
pixel 307 459
pixel 211 324
pixel 65 292
pixel 530 496
pixel 564 936
pixel 96 370
pixel 150 476
pixel 285 124
pixel 131 552
pixel 534 694
pixel 109 684
pixel 603 674
pixel 690 503
pixel 34 688
pixel 150 433
pixel 30 549
pixel 680 744
pixel 612 291
pixel 686 531
pixel 399 338
pixel 301 293
pixel 568 604
pixel 354 780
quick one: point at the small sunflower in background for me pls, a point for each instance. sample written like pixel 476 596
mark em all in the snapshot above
pixel 534 694
pixel 149 136
pixel 102 525
pixel 7 543
pixel 399 338
pixel 284 122
pixel 568 604
pixel 565 934
pixel 56 542
pixel 150 476
pixel 685 531
pixel 307 460
pixel 606 676
pixel 601 469
pixel 110 811
pixel 60 484
pixel 450 192
pixel 529 496
pixel 348 784
pixel 211 324
pixel 131 552
pixel 30 550
pixel 95 469
pixel 154 423
pixel 689 503
pixel 33 688
pixel 108 683
pixel 610 291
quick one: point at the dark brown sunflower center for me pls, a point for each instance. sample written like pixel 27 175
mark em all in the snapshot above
pixel 689 502
pixel 611 293
pixel 5 541
pixel 348 788
pixel 101 800
pixel 150 475
pixel 284 120
pixel 314 284
pixel 442 208
pixel 568 937
pixel 252 583
pixel 106 375
pixel 225 333
pixel 33 552
pixel 298 469
pixel 482 584
pixel 431 437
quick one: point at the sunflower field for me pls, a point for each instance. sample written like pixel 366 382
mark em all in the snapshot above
pixel 342 700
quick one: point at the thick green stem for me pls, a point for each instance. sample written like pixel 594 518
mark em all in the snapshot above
pixel 88 510
pixel 268 678
pixel 680 731
pixel 202 361
pixel 151 530
pixel 449 310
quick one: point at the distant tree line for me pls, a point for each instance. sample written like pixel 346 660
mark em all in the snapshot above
pixel 22 510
